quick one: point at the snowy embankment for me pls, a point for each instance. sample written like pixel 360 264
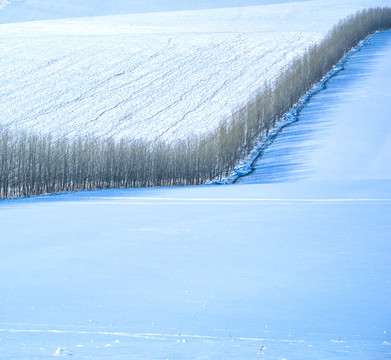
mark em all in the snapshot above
pixel 343 132
pixel 246 166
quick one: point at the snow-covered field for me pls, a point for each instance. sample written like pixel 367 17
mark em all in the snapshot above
pixel 295 270
pixel 199 273
pixel 153 76
pixel 344 132
pixel 30 10
pixel 288 270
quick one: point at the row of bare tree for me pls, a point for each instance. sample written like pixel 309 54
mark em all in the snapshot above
pixel 32 164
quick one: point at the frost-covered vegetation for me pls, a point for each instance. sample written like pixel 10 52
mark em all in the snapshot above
pixel 34 164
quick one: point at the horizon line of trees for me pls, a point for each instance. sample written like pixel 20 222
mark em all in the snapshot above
pixel 34 164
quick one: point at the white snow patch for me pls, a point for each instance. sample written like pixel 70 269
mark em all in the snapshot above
pixel 4 3
pixel 58 351
pixel 337 341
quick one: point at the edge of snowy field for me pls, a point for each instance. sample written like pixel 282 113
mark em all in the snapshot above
pixel 244 166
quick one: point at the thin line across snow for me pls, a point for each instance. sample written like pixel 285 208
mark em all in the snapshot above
pixel 247 199
pixel 223 201
pixel 153 201
pixel 148 336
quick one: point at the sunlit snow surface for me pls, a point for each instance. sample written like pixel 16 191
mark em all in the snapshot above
pixel 198 273
pixel 154 76
pixel 344 132
pixel 213 272
pixel 28 10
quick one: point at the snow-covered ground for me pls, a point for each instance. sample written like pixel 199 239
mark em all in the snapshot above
pixel 287 270
pixel 199 273
pixel 162 75
pixel 344 132
pixel 30 10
